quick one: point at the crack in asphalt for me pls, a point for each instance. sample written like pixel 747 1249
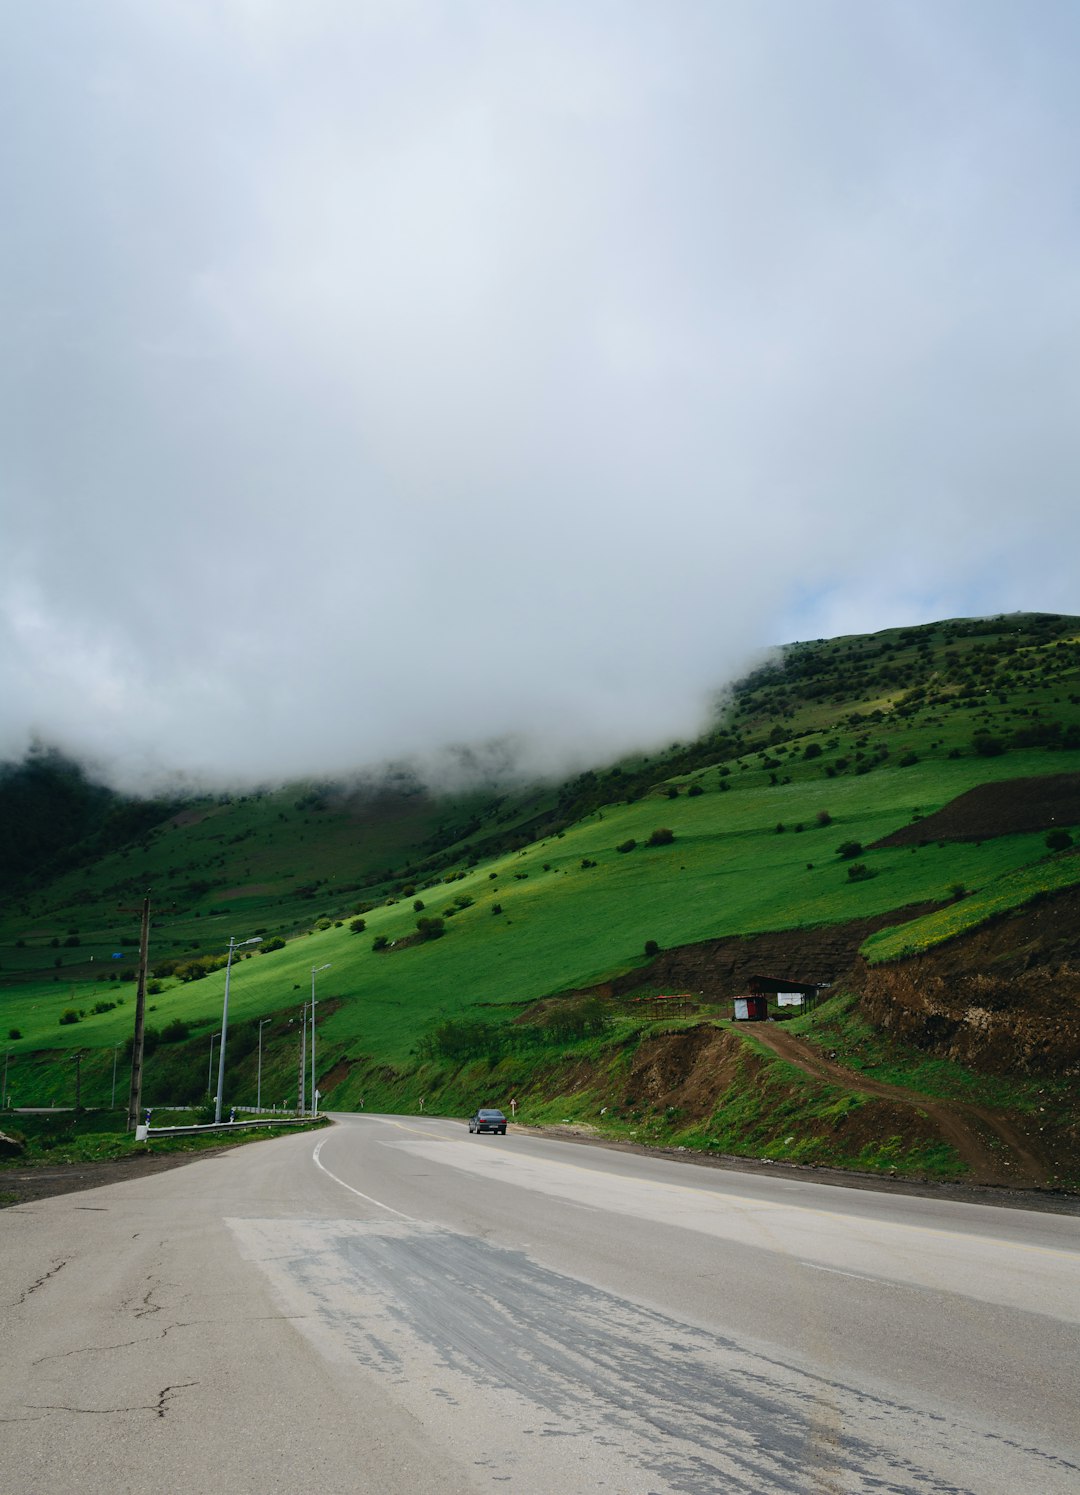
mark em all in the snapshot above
pixel 147 1307
pixel 39 1283
pixel 159 1408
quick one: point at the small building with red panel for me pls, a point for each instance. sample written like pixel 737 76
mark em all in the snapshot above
pixel 753 1008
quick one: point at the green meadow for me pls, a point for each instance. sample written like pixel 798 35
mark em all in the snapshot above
pixel 800 764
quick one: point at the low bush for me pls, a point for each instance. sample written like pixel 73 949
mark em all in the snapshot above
pixel 849 849
pixel 662 836
pixel 69 1015
pixel 625 846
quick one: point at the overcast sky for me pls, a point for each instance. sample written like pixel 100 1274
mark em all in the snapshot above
pixel 387 374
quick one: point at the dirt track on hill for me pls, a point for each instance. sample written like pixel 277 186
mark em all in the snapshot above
pixel 993 1147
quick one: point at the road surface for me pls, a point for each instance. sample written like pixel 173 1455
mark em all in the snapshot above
pixel 395 1306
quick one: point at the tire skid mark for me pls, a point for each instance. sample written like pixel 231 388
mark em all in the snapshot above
pixel 700 1412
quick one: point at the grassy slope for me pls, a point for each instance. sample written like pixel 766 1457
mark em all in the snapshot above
pixel 562 926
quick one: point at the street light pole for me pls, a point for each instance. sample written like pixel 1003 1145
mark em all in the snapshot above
pixel 258 1092
pixel 116 1050
pixel 210 1072
pixel 233 945
pixel 314 969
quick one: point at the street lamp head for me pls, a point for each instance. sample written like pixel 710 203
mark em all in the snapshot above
pixel 326 967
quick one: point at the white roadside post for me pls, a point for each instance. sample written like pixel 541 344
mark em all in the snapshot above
pixel 314 1093
pixel 233 945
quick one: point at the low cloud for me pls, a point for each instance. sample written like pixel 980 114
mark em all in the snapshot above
pixel 385 380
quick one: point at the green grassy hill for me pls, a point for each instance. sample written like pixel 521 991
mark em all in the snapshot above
pixel 550 889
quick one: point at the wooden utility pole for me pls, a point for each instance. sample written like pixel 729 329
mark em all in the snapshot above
pixel 135 1092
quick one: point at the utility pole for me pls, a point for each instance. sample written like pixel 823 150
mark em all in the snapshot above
pixel 135 1090
pixel 258 1083
pixel 234 945
pixel 3 1092
pixel 314 971
pixel 76 1059
pixel 303 1056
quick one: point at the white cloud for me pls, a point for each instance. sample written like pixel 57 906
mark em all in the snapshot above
pixel 386 376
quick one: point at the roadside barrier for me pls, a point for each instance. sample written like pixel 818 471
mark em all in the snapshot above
pixel 145 1133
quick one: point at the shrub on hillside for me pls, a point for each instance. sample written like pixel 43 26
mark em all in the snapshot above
pixel 662 836
pixel 69 1015
pixel 496 908
pixel 849 849
pixel 418 905
pixel 358 925
pixel 694 791
pixel 14 1033
pixel 988 746
pixel 277 943
pixel 1058 840
pixel 587 862
pixel 175 1032
pixel 672 792
pixel 906 760
pixel 626 845
pixel 651 947
pixel 823 818
pixel 812 750
pixel 380 942
pixel 431 929
pixel 859 872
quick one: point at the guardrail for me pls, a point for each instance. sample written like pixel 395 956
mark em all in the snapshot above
pixel 145 1133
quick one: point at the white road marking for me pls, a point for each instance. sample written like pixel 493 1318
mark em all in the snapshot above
pixel 838 1272
pixel 378 1202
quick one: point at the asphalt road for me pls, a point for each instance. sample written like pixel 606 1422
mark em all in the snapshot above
pixel 395 1306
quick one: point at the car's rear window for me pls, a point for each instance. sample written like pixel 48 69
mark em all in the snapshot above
pixel 490 1113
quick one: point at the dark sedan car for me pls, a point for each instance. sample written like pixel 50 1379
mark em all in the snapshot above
pixel 488 1121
